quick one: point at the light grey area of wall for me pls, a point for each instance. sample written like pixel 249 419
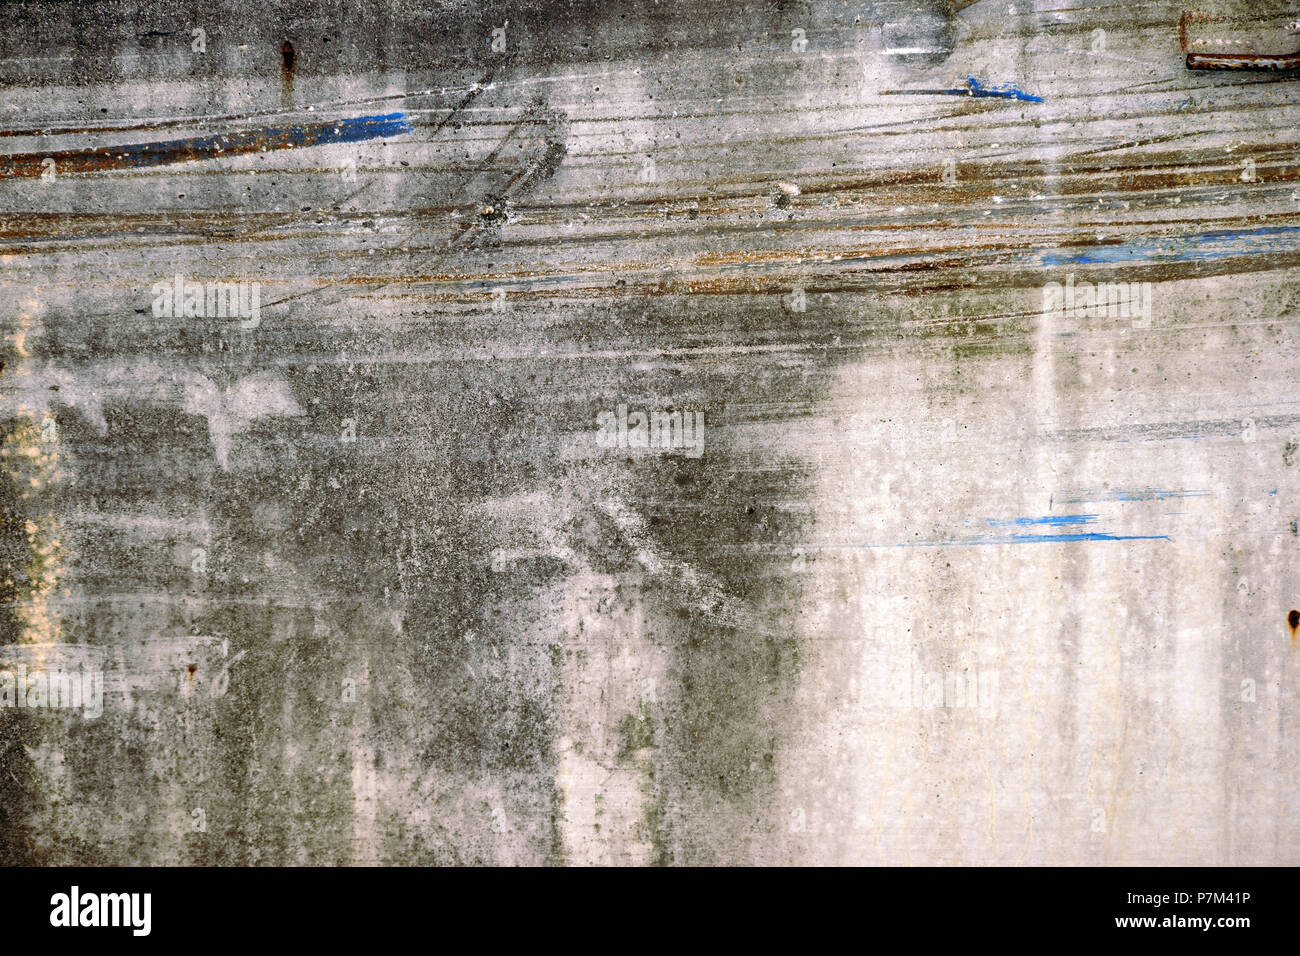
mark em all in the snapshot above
pixel 922 556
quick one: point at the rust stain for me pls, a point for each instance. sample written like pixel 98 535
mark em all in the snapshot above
pixel 1274 62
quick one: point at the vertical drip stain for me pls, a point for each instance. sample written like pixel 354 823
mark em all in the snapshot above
pixel 287 56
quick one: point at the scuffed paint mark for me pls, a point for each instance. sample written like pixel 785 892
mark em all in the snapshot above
pixel 1083 536
pixel 1035 539
pixel 973 87
pixel 1081 497
pixel 1197 247
pixel 1045 520
pixel 221 145
pixel 1026 537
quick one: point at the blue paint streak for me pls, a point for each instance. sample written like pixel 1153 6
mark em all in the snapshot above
pixel 354 130
pixel 1007 91
pixel 360 128
pixel 1216 244
pixel 1086 536
pixel 1063 538
pixel 1194 247
pixel 1145 494
pixel 1047 520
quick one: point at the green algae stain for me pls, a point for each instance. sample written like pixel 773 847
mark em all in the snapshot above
pixel 635 732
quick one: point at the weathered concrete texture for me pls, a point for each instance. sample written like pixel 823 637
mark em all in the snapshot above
pixel 961 575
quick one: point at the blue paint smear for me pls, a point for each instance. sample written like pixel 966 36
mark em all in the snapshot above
pixel 360 128
pixel 1047 520
pixel 1007 91
pixel 1216 244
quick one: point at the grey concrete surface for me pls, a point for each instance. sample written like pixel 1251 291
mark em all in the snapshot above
pixel 928 561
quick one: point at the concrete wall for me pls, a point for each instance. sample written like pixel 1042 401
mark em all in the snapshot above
pixel 960 571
